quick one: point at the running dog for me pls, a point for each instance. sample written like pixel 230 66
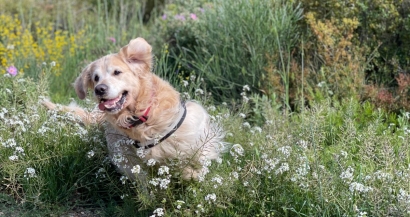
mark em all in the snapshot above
pixel 144 115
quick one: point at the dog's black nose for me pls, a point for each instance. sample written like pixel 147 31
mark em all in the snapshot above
pixel 100 89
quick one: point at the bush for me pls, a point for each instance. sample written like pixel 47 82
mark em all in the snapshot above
pixel 382 30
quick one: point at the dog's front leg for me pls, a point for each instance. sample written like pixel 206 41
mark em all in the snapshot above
pixel 86 117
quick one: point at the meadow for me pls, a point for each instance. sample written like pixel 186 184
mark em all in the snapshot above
pixel 315 113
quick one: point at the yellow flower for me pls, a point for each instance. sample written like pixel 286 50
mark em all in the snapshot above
pixel 48 45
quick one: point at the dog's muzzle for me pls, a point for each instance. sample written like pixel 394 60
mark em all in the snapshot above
pixel 100 90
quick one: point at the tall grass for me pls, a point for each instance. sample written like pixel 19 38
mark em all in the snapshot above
pixel 233 42
pixel 345 158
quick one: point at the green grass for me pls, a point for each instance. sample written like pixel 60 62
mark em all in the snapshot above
pixel 295 165
pixel 334 158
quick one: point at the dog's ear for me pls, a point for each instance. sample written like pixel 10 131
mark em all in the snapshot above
pixel 83 81
pixel 137 51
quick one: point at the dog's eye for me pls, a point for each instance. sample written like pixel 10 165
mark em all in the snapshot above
pixel 116 72
pixel 96 78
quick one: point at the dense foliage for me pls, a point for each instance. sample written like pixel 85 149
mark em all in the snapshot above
pixel 313 96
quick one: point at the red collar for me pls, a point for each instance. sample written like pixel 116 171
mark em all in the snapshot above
pixel 134 121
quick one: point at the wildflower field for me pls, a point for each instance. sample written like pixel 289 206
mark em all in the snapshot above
pixel 313 99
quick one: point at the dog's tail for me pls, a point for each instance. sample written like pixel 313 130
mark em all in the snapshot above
pixel 87 117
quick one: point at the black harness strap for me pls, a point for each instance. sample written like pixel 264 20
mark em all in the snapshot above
pixel 137 144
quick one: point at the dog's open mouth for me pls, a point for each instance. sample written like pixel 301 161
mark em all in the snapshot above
pixel 112 105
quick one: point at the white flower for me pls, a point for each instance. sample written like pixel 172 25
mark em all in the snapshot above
pixel 13 157
pixel 90 154
pixel 285 150
pixel 186 95
pixel 20 150
pixel 403 196
pixel 136 169
pixel 123 179
pixel 30 172
pixel 246 125
pixel 218 179
pixel 164 183
pixel 283 168
pixel 235 175
pixel 9 143
pixel 210 197
pixel 163 170
pixel 53 63
pixel 347 176
pixel 246 88
pixel 321 84
pixel 154 182
pixel 362 214
pixel 199 91
pixel 185 83
pixel 242 115
pixel 257 129
pixel 237 150
pixel 303 144
pixel 270 164
pixel 355 186
pixel 245 99
pixel 380 175
pixel 219 160
pixel 343 154
pixel 179 204
pixel 211 108
pixel 151 162
pixel 201 209
pixel 141 152
pixel 100 173
pixel 159 212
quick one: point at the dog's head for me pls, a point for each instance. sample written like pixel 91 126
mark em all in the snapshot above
pixel 116 79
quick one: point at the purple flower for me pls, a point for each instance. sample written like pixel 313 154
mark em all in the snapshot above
pixel 193 16
pixel 202 10
pixel 12 70
pixel 164 17
pixel 112 39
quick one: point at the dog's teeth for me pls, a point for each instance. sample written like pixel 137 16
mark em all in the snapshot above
pixel 110 106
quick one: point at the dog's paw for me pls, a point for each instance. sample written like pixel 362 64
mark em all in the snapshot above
pixel 47 103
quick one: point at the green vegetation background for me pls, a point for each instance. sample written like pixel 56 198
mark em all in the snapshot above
pixel 313 95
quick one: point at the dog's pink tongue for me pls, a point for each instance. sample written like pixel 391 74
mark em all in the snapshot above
pixel 101 106
pixel 107 104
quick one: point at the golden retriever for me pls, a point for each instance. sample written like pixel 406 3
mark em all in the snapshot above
pixel 145 117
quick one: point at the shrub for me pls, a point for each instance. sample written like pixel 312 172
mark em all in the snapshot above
pixel 337 65
pixel 382 31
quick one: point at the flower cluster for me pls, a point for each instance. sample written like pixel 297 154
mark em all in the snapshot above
pixel 19 43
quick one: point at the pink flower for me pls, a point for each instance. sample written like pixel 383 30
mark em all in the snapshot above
pixel 194 17
pixel 12 70
pixel 164 17
pixel 112 39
